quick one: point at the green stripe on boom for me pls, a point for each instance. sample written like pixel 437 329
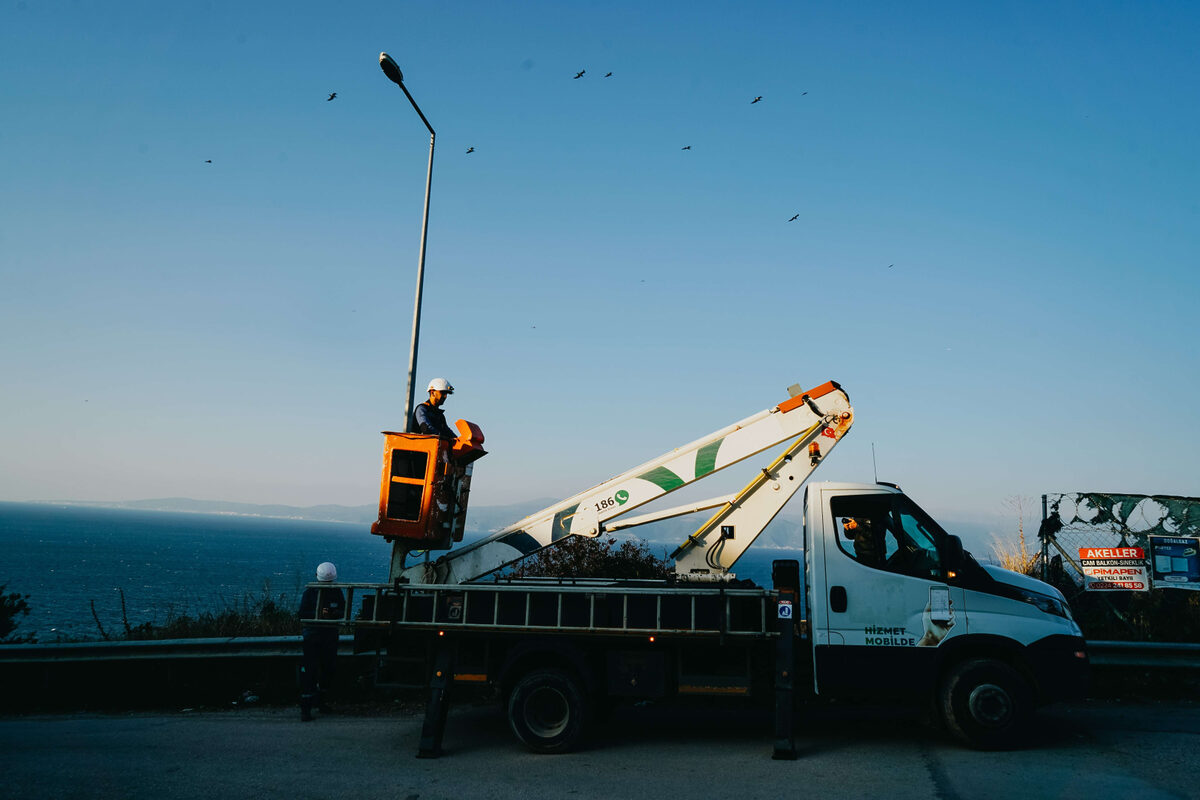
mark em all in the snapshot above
pixel 522 541
pixel 663 478
pixel 706 457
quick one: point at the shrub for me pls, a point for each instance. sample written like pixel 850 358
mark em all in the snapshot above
pixel 13 605
pixel 1159 615
pixel 264 614
pixel 580 557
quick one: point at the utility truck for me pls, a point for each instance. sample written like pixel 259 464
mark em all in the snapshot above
pixel 886 605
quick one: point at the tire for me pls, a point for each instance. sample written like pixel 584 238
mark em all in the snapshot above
pixel 987 704
pixel 547 711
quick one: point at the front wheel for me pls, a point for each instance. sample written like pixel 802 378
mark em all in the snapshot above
pixel 986 703
pixel 547 711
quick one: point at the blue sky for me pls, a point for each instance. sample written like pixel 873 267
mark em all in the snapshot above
pixel 239 330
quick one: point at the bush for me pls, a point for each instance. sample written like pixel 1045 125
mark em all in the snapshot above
pixel 252 616
pixel 579 557
pixel 261 615
pixel 12 606
pixel 1159 615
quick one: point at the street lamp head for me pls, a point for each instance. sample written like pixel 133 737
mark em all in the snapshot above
pixel 391 69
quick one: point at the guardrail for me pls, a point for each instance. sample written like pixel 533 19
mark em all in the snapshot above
pixel 1101 653
pixel 163 649
pixel 1144 654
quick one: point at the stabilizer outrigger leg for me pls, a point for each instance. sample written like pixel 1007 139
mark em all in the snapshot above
pixel 785 575
pixel 439 702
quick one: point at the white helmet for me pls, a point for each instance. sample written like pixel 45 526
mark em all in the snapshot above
pixel 326 572
pixel 441 385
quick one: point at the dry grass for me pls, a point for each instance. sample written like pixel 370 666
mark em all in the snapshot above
pixel 1015 557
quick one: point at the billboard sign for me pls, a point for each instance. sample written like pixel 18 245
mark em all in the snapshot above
pixel 1175 561
pixel 1121 569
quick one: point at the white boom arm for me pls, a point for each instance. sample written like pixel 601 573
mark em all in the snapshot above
pixel 816 420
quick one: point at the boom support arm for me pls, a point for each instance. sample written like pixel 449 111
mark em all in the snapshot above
pixel 819 416
pixel 712 550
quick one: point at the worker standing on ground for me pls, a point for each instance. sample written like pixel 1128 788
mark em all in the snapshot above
pixel 428 418
pixel 320 641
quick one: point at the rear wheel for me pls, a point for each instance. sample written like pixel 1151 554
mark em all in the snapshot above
pixel 986 703
pixel 547 711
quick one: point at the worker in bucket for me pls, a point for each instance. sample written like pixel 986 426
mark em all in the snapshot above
pixel 320 641
pixel 428 418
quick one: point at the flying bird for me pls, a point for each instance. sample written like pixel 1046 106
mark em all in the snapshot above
pixel 891 265
pixel 579 74
pixel 803 93
pixel 755 100
pixel 793 219
pixel 689 147
pixel 470 149
pixel 608 75
pixel 208 161
pixel 331 96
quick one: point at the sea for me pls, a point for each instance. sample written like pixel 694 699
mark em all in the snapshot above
pixel 76 563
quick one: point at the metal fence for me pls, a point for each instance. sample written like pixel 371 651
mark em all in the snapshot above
pixel 1075 520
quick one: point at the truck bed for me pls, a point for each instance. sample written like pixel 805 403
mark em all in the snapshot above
pixel 570 606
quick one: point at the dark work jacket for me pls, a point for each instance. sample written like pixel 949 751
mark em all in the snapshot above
pixel 430 420
pixel 317 603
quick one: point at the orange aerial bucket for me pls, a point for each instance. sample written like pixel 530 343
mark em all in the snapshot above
pixel 425 484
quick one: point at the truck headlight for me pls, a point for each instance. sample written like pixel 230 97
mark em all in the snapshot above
pixel 1044 602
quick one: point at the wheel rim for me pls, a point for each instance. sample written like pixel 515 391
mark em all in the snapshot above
pixel 546 712
pixel 990 705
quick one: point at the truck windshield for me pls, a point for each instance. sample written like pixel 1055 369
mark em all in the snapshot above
pixel 923 536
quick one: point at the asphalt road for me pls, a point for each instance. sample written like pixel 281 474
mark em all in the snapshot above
pixel 1091 750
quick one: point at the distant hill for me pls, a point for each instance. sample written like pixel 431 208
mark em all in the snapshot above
pixel 323 513
pixel 479 519
pixel 785 531
pixel 483 519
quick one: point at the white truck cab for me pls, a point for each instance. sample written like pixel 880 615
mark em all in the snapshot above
pixel 897 607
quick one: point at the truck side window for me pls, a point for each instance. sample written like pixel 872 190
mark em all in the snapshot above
pixel 876 534
pixel 865 528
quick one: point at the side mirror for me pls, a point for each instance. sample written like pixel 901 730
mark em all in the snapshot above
pixel 955 557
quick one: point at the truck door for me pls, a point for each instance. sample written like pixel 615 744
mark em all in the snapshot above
pixel 885 605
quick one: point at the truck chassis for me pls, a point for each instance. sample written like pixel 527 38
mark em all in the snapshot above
pixel 561 652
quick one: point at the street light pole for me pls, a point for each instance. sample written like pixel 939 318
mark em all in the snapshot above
pixel 392 71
